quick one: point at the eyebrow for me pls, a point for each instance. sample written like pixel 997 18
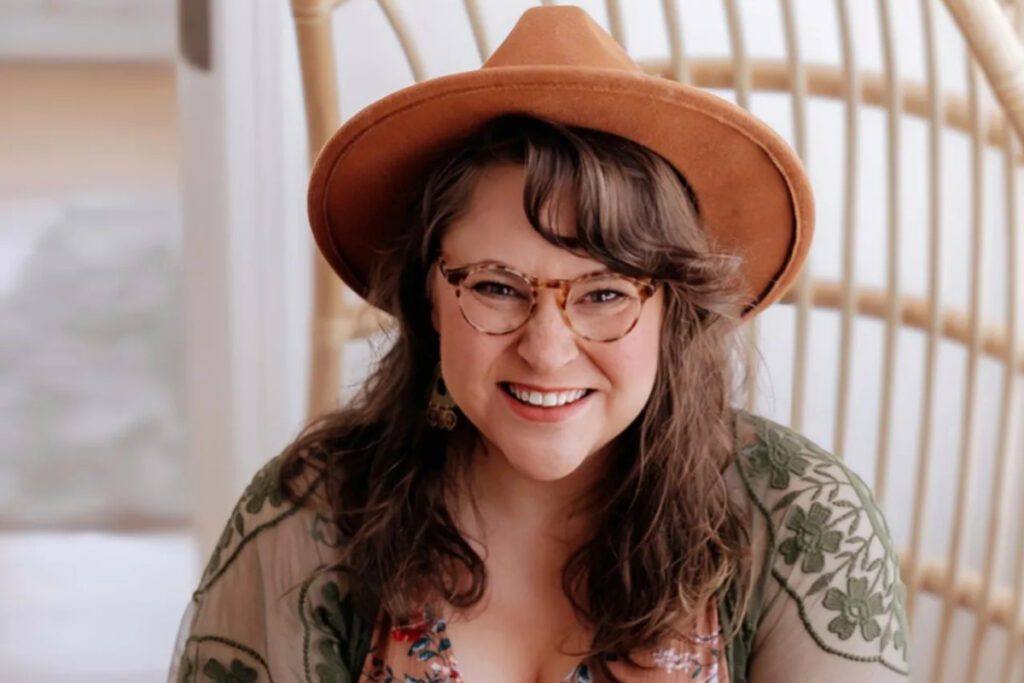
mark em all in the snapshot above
pixel 495 262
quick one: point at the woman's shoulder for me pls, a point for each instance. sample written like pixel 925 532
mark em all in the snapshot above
pixel 827 545
pixel 288 531
pixel 779 465
pixel 272 597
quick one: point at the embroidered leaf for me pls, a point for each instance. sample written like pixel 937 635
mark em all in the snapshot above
pixel 786 501
pixel 238 673
pixel 239 524
pixel 820 584
pixel 853 525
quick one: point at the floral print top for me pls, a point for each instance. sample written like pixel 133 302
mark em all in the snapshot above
pixel 828 603
pixel 422 653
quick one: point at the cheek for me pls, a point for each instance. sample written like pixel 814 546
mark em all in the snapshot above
pixel 467 355
pixel 633 366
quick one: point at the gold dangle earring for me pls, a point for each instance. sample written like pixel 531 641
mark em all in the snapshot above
pixel 441 409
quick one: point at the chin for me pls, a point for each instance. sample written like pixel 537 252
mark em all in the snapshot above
pixel 543 464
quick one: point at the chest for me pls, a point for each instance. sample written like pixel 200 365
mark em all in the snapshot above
pixel 521 631
pixel 528 639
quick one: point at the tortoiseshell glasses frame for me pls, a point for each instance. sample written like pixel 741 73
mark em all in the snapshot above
pixel 644 289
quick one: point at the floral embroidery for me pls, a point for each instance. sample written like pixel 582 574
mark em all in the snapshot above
pixel 779 459
pixel 264 488
pixel 186 668
pixel 263 502
pixel 813 537
pixel 821 513
pixel 856 608
pixel 239 672
pixel 430 644
pixel 334 629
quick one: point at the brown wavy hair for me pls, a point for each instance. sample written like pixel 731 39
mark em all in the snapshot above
pixel 668 539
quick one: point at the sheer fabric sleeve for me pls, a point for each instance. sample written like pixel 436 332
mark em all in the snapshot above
pixel 831 607
pixel 265 608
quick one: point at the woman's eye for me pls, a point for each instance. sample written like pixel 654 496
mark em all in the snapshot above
pixel 495 289
pixel 603 296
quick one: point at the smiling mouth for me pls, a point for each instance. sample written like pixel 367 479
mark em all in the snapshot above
pixel 539 399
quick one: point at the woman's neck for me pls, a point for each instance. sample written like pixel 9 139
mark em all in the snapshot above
pixel 497 502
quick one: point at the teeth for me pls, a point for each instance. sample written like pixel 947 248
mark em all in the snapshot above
pixel 547 400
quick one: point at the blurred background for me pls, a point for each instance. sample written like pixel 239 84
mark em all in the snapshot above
pixel 155 270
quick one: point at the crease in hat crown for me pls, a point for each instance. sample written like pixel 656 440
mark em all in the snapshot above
pixel 558 64
pixel 560 36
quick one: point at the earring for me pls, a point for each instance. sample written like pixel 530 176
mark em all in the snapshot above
pixel 441 409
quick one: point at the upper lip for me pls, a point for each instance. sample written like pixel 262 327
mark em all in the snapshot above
pixel 546 390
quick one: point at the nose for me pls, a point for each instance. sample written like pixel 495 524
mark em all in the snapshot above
pixel 547 342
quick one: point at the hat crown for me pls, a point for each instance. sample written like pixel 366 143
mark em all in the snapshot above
pixel 560 36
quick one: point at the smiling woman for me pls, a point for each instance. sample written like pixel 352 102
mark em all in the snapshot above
pixel 544 478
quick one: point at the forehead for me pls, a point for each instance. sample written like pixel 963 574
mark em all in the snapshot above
pixel 494 226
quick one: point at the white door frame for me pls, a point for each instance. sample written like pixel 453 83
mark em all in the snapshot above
pixel 245 253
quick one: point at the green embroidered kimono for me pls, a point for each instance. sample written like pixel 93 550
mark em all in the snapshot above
pixel 828 603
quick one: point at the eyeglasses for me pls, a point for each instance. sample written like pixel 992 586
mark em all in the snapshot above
pixel 496 299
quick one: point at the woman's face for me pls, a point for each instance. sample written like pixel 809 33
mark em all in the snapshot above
pixel 544 355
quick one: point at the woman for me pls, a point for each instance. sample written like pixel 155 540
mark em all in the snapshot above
pixel 543 478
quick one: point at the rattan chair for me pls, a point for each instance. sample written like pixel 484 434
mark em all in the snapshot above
pixel 966 605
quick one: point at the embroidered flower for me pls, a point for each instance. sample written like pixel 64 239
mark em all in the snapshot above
pixel 856 609
pixel 779 455
pixel 813 538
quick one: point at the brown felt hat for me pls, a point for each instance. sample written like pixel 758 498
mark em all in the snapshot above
pixel 558 64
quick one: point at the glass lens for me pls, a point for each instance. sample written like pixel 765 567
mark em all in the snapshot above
pixel 603 308
pixel 495 300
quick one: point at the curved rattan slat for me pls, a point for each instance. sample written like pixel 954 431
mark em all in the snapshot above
pixel 933 328
pixel 680 70
pixel 1009 426
pixel 998 50
pixel 915 313
pixel 893 253
pixel 968 442
pixel 320 84
pixel 476 21
pixel 801 321
pixel 827 81
pixel 851 96
pixel 999 492
pixel 405 39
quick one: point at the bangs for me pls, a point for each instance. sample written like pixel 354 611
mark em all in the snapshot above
pixel 633 211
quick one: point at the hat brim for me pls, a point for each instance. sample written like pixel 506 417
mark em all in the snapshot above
pixel 754 195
